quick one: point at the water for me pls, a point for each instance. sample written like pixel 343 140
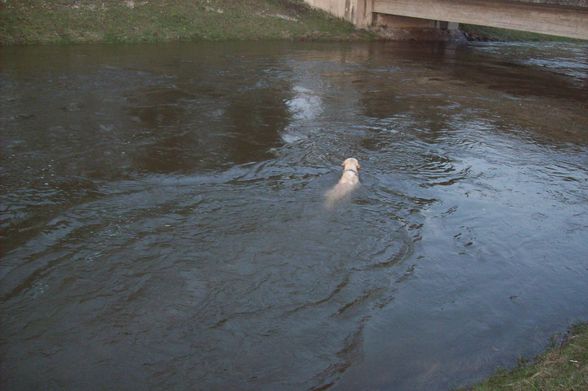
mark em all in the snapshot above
pixel 163 224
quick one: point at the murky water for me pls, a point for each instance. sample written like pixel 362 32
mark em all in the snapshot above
pixel 163 224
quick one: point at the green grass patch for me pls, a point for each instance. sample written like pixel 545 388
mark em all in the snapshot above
pixel 83 21
pixel 562 368
pixel 484 33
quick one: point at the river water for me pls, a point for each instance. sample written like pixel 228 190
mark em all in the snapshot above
pixel 163 220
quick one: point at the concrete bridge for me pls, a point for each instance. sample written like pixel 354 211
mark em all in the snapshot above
pixel 566 18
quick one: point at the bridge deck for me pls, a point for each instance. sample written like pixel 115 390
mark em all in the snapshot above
pixel 566 18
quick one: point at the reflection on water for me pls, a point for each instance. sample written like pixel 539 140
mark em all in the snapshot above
pixel 163 222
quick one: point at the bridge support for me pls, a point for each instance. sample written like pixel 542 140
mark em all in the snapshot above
pixel 567 18
pixel 407 28
pixel 358 12
pixel 362 14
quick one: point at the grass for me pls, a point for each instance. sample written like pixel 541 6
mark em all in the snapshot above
pixel 562 368
pixel 485 33
pixel 114 21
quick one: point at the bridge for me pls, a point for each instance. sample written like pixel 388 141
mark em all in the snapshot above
pixel 565 18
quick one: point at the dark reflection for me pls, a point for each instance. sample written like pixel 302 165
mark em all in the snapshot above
pixel 255 119
pixel 199 128
pixel 190 109
pixel 525 71
pixel 104 113
pixel 430 87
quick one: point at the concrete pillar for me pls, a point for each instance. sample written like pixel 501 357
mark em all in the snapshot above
pixel 358 12
pixel 404 28
pixel 453 26
pixel 364 16
pixel 361 14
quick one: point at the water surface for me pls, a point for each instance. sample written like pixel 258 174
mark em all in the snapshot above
pixel 163 224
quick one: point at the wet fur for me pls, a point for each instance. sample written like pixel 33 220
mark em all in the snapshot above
pixel 349 181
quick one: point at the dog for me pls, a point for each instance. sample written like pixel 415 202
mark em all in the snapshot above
pixel 349 181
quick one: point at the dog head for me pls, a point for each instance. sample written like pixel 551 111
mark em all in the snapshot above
pixel 351 164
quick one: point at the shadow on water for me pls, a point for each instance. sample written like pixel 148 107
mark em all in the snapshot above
pixel 206 126
pixel 163 221
pixel 104 120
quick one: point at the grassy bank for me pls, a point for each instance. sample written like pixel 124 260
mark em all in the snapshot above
pixel 484 33
pixel 130 21
pixel 85 21
pixel 562 368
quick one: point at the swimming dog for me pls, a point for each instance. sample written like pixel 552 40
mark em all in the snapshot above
pixel 348 182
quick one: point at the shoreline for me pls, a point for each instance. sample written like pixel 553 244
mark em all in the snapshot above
pixel 492 34
pixel 50 22
pixel 561 367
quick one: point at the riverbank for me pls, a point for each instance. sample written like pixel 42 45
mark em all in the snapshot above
pixel 485 33
pixel 134 21
pixel 564 367
pixel 24 22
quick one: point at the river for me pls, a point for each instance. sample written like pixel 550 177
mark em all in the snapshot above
pixel 163 220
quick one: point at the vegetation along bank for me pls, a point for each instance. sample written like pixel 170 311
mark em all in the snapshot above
pixel 564 367
pixel 131 21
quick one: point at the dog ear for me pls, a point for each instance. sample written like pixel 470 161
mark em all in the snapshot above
pixel 358 166
pixel 343 164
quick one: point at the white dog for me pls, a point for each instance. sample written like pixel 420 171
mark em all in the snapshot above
pixel 348 182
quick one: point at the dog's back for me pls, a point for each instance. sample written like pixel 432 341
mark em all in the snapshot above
pixel 348 182
pixel 339 192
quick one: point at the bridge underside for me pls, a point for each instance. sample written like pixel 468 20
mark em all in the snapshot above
pixel 566 18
